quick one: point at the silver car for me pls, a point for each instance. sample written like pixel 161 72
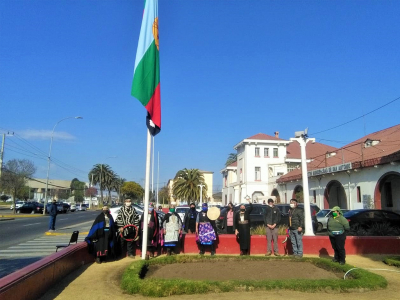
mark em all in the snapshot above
pixel 323 216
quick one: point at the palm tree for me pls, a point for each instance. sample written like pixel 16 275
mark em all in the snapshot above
pixel 117 184
pixel 101 174
pixel 111 178
pixel 186 185
pixel 232 157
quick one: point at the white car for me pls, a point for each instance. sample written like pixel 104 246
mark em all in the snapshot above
pixel 18 204
pixel 81 207
pixel 181 211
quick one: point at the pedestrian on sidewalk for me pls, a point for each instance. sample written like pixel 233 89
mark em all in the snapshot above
pixel 102 236
pixel 153 229
pixel 127 215
pixel 337 226
pixel 272 217
pixel 241 225
pixel 53 214
pixel 296 226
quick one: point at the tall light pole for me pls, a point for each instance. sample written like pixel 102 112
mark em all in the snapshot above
pixel 302 138
pixel 201 193
pixel 49 158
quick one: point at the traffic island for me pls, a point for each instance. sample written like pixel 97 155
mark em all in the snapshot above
pixel 183 274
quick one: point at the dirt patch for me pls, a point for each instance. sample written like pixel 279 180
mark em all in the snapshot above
pixel 239 270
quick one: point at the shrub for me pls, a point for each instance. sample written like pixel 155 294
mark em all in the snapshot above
pixel 260 230
pixel 133 284
pixel 392 261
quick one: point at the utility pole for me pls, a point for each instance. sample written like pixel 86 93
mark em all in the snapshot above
pixel 2 150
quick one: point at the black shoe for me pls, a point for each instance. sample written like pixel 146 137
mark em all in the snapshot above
pixel 335 260
pixel 98 260
pixel 131 256
pixel 342 263
pixel 201 252
pixel 212 253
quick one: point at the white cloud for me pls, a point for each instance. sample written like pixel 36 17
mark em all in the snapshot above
pixel 33 134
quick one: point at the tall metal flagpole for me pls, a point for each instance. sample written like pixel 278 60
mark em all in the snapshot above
pixel 158 173
pixel 152 168
pixel 146 195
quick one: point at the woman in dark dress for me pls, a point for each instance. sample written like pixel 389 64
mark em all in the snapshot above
pixel 241 226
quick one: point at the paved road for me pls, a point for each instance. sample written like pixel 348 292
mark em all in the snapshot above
pixel 24 240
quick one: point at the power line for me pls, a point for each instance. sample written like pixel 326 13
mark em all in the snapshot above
pixel 372 111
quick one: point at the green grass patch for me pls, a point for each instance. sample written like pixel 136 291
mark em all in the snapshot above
pixel 133 283
pixel 392 261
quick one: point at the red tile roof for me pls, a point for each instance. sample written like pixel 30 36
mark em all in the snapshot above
pixel 386 151
pixel 263 136
pixel 312 150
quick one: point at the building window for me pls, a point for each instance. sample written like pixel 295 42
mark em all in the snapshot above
pixel 292 166
pixel 258 174
pixel 359 194
pixel 275 152
pixel 257 152
pixel 241 175
pixel 266 152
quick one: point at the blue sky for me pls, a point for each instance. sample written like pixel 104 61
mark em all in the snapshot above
pixel 229 70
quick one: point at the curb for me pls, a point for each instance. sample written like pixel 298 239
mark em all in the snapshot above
pixel 64 233
pixel 21 216
pixel 6 219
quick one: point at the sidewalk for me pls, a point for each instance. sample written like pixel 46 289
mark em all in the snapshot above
pixel 101 281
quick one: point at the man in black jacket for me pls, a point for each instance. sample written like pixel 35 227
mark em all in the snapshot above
pixel 272 217
pixel 296 227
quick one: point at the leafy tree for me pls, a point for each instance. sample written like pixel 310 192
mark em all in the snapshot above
pixel 232 157
pixel 111 183
pixel 186 185
pixel 62 194
pixel 15 174
pixel 77 189
pixel 117 184
pixel 163 195
pixel 91 192
pixel 133 190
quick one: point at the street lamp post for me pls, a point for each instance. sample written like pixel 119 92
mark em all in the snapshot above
pixel 201 193
pixel 48 161
pixel 302 138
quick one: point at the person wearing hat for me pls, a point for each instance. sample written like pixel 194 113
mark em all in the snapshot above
pixel 153 230
pixel 272 217
pixel 337 226
pixel 172 226
pixel 206 231
pixel 296 227
pixel 127 215
pixel 241 225
pixel 52 209
pixel 190 219
pixel 102 236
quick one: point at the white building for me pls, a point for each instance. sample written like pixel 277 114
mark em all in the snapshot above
pixel 261 160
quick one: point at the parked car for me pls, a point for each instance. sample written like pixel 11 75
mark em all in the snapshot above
pixel 284 208
pixel 323 216
pixel 18 204
pixel 181 211
pixel 256 216
pixel 63 207
pixel 72 207
pixel 81 207
pixel 373 222
pixel 30 208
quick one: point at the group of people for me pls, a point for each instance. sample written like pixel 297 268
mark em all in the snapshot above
pixel 167 232
pixel 239 224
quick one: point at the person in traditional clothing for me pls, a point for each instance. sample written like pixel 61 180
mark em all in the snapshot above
pixel 190 219
pixel 127 215
pixel 160 208
pixel 102 235
pixel 241 226
pixel 172 226
pixel 206 230
pixel 153 230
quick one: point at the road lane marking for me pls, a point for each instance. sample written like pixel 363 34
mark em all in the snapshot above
pixel 31 224
pixel 63 219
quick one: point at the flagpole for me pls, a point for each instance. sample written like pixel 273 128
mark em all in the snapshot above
pixel 158 173
pixel 152 168
pixel 146 196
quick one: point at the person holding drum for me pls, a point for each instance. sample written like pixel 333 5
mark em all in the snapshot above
pixel 206 230
pixel 128 223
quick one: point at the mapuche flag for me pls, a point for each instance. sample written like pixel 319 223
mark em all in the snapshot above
pixel 146 77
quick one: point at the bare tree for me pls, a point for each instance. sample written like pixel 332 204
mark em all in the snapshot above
pixel 15 174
